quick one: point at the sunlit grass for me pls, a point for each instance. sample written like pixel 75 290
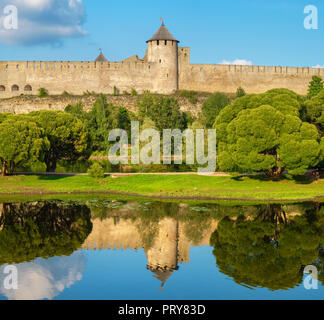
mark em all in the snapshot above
pixel 167 186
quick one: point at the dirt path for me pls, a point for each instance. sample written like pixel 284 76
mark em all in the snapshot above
pixel 117 174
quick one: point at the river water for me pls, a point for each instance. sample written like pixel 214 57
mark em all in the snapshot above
pixel 131 249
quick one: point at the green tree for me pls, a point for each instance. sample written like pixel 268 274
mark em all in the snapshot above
pixel 314 111
pixel 212 107
pixel 78 111
pixel 103 118
pixel 240 92
pixel 264 133
pixel 315 86
pixel 68 136
pixel 164 111
pixel 21 142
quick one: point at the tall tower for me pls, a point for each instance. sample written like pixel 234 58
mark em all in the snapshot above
pixel 163 51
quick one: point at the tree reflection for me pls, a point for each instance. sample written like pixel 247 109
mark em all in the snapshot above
pixel 267 249
pixel 41 229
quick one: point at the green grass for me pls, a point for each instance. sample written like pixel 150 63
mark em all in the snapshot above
pixel 177 186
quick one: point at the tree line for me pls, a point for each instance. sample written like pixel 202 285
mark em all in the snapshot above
pixel 273 132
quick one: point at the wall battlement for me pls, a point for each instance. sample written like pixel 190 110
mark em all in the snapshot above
pixel 165 69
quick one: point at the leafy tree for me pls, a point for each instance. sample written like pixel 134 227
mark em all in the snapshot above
pixel 21 142
pixel 78 111
pixel 315 86
pixel 314 111
pixel 67 135
pixel 240 92
pixel 164 111
pixel 263 133
pixel 124 119
pixel 212 107
pixel 103 118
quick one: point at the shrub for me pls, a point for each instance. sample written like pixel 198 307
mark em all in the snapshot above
pixel 240 92
pixel 42 93
pixel 190 95
pixel 116 91
pixel 96 171
pixel 134 93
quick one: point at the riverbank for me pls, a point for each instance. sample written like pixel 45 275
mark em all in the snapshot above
pixel 187 187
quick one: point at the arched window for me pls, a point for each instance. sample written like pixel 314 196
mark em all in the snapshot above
pixel 28 88
pixel 2 88
pixel 14 88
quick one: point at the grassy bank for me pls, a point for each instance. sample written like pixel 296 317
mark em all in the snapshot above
pixel 195 187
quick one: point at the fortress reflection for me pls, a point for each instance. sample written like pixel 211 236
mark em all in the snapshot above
pixel 170 244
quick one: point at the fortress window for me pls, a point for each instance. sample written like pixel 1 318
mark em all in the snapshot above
pixel 2 88
pixel 14 88
pixel 160 61
pixel 28 88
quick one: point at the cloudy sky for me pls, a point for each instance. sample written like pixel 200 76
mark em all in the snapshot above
pixel 218 31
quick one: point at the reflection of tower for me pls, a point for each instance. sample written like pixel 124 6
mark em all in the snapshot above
pixel 162 258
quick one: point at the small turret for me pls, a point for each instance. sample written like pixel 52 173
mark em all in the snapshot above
pixel 101 57
pixel 163 51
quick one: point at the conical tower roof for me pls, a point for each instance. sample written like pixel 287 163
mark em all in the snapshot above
pixel 163 34
pixel 162 276
pixel 101 58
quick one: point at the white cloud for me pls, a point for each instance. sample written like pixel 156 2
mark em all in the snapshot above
pixel 44 21
pixel 238 62
pixel 318 66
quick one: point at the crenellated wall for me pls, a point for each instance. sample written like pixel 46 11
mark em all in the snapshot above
pixel 164 69
pixel 75 77
pixel 254 79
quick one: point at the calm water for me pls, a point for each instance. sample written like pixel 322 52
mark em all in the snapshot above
pixel 115 249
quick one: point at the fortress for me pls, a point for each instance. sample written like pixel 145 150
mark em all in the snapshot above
pixel 164 69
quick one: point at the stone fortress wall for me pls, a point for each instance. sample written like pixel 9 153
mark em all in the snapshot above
pixel 165 69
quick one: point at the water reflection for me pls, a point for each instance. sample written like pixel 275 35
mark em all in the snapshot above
pixel 271 247
pixel 45 279
pixel 257 246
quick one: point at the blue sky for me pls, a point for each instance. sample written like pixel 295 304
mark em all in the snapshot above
pixel 263 32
